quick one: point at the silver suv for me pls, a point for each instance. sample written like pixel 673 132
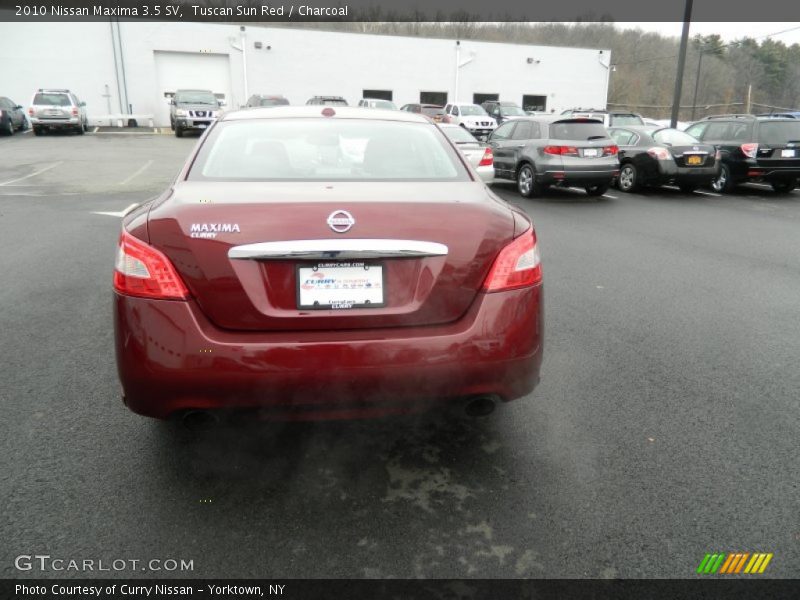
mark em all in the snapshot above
pixel 57 109
pixel 538 152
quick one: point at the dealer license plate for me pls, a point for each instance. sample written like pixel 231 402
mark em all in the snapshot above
pixel 340 285
pixel 787 153
pixel 591 152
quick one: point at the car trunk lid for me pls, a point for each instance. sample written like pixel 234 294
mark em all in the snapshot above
pixel 199 227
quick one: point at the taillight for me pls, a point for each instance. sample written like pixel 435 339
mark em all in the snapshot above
pixel 141 270
pixel 659 153
pixel 74 112
pixel 561 150
pixel 488 158
pixel 749 150
pixel 30 111
pixel 518 265
pixel 610 150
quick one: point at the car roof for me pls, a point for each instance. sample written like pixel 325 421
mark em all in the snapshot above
pixel 345 112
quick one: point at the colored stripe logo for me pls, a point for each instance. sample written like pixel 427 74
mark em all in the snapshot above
pixel 734 563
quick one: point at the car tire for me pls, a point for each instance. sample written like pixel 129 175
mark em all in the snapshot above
pixel 24 126
pixel 172 124
pixel 79 130
pixel 628 178
pixel 8 128
pixel 37 131
pixel 723 184
pixel 784 186
pixel 526 181
pixel 178 132
pixel 597 190
pixel 85 126
pixel 688 188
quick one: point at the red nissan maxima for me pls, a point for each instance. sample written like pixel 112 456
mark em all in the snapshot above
pixel 324 263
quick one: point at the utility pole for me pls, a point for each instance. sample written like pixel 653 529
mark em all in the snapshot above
pixel 697 80
pixel 676 100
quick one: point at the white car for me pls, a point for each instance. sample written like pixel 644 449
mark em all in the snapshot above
pixel 472 117
pixel 479 155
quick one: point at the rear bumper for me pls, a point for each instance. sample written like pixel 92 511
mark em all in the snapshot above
pixel 55 123
pixel 579 178
pixel 671 173
pixel 170 358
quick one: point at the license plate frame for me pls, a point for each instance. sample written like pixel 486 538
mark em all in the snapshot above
pixel 694 160
pixel 368 296
pixel 788 153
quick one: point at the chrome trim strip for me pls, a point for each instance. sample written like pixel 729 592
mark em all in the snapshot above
pixel 337 249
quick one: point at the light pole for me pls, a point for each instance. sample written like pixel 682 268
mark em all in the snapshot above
pixel 697 81
pixel 676 100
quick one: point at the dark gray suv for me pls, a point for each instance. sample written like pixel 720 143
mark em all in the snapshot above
pixel 193 109
pixel 538 152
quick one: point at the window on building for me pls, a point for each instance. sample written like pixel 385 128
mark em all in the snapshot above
pixel 481 98
pixel 378 94
pixel 437 98
pixel 532 102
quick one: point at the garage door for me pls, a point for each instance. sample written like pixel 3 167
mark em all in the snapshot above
pixel 189 70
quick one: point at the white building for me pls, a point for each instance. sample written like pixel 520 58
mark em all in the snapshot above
pixel 135 66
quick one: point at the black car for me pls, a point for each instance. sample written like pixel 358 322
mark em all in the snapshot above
pixel 327 101
pixel 266 100
pixel 502 111
pixel 657 155
pixel 12 117
pixel 753 149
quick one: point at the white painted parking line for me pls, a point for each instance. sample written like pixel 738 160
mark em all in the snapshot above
pixel 119 214
pixel 609 196
pixel 708 193
pixel 135 173
pixel 31 174
pixel 764 185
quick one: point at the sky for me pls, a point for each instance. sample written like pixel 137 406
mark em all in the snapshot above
pixel 728 31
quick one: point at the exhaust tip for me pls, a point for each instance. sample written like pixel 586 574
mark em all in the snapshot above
pixel 199 420
pixel 481 406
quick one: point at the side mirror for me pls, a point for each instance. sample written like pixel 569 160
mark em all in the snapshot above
pixel 82 104
pixel 222 103
pixel 18 107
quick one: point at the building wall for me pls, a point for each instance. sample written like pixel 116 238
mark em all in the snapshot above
pixel 299 64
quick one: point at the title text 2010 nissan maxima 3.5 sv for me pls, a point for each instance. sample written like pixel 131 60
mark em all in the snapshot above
pixel 321 263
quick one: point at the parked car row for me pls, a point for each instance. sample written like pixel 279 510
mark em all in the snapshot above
pixel 49 109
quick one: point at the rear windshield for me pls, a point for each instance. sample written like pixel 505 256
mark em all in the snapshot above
pixel 274 102
pixel 578 131
pixel 471 110
pixel 195 98
pixel 459 135
pixel 52 99
pixel 626 120
pixel 674 137
pixel 382 104
pixel 431 111
pixel 326 149
pixel 779 132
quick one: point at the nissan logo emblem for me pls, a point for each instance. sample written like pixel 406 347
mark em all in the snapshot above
pixel 341 221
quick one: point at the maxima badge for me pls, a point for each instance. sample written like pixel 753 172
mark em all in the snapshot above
pixel 341 221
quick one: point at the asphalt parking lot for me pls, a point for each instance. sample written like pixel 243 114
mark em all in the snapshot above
pixel 665 426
